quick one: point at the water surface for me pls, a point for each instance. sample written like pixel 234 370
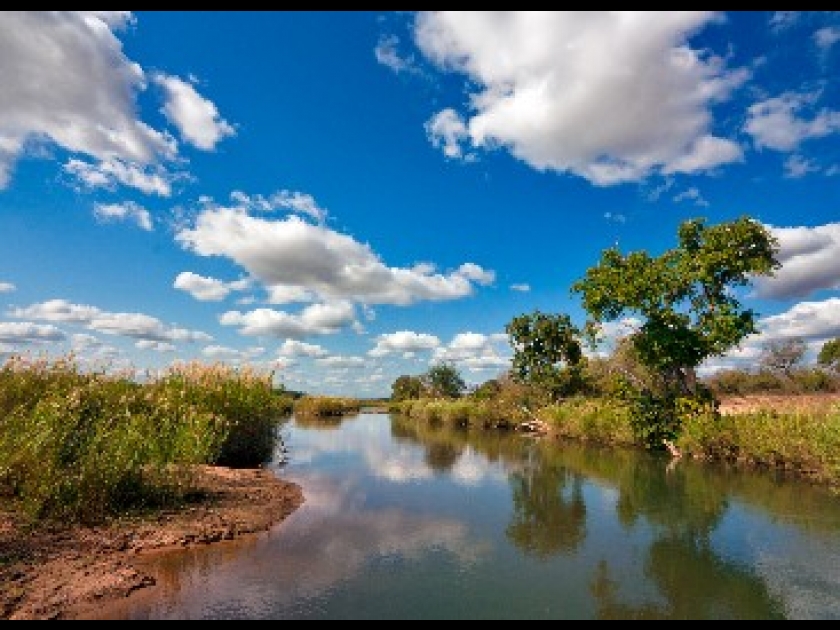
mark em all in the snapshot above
pixel 402 521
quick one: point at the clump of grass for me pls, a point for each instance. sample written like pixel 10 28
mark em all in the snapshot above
pixel 243 399
pixel 465 413
pixel 598 420
pixel 326 407
pixel 84 446
pixel 803 443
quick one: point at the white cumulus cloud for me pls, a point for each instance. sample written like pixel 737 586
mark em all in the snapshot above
pixel 809 258
pixel 25 333
pixel 223 353
pixel 67 80
pixel 7 287
pixel 402 343
pixel 828 37
pixel 128 211
pixel 197 119
pixel 208 289
pixel 68 83
pixel 387 53
pixel 155 346
pixel 314 320
pixel 812 321
pixel 135 326
pixel 111 173
pixel 629 78
pixel 783 123
pixel 295 259
pixel 476 352
pixel 341 362
pixel 292 349
pixel 294 201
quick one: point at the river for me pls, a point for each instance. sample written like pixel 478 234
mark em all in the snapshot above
pixel 403 521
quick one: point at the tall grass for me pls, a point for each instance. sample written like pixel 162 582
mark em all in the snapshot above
pixel 83 446
pixel 800 442
pixel 465 413
pixel 601 421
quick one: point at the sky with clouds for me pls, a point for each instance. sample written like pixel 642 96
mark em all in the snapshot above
pixel 345 197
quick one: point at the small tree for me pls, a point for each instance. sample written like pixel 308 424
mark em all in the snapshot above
pixel 830 355
pixel 407 388
pixel 488 390
pixel 547 353
pixel 687 302
pixel 784 356
pixel 444 381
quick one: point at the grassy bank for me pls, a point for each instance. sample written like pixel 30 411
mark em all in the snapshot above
pixel 461 413
pixel 82 446
pixel 802 441
pixel 326 407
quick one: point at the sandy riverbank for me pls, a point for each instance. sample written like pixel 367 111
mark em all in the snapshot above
pixel 70 573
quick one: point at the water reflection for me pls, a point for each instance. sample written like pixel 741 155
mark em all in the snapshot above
pixel 549 511
pixel 683 506
pixel 404 520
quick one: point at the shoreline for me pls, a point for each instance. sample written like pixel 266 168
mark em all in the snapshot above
pixel 62 573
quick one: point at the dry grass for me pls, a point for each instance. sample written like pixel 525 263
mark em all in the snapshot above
pixel 817 404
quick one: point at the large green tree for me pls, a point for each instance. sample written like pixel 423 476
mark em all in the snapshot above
pixel 547 353
pixel 686 297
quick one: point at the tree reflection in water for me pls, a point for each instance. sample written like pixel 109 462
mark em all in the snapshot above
pixel 683 506
pixel 549 511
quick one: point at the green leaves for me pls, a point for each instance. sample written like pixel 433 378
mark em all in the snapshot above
pixel 547 353
pixel 689 309
pixel 686 296
pixel 444 381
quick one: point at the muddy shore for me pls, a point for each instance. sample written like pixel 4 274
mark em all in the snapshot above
pixel 71 572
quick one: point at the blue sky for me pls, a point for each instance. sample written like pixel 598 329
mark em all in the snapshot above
pixel 344 197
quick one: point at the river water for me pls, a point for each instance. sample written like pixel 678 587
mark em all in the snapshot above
pixel 403 521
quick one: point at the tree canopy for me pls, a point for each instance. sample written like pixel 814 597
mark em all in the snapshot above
pixel 407 388
pixel 686 297
pixel 547 353
pixel 443 380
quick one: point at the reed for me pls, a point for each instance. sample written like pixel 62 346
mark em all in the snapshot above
pixel 84 446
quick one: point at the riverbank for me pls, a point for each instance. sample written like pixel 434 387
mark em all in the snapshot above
pixel 798 435
pixel 56 572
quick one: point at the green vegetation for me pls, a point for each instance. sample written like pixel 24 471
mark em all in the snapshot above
pixel 326 407
pixel 806 443
pixel 690 313
pixel 443 380
pixel 647 392
pixel 407 388
pixel 83 446
pixel 547 354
